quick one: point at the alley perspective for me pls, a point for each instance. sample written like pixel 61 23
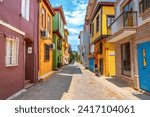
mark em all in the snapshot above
pixel 74 82
pixel 75 49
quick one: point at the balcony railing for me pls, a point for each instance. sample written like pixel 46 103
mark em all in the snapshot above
pixel 127 19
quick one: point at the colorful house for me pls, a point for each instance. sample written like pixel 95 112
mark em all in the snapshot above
pixel 104 52
pixel 81 48
pixel 45 39
pixel 130 32
pixel 59 22
pixel 65 47
pixel 18 45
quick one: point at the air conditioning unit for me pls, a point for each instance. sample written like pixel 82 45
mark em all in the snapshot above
pixel 44 34
pixel 52 46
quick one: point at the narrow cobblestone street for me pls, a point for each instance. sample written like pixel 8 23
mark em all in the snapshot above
pixel 73 82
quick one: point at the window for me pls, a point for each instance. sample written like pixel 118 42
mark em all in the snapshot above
pixel 126 63
pixel 49 24
pixel 97 23
pixel 144 5
pixel 144 57
pixel 25 8
pixel 92 29
pixel 46 52
pixel 129 6
pixel 12 47
pixel 100 49
pixel 59 44
pixel 110 20
pixel 60 20
pixel 43 18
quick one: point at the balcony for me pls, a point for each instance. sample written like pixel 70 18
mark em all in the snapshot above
pixel 123 26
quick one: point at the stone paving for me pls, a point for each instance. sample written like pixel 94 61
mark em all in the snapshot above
pixel 73 82
pixel 88 86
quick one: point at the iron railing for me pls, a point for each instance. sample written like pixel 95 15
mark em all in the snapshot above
pixel 127 19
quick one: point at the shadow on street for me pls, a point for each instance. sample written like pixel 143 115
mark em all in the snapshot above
pixel 118 82
pixel 51 89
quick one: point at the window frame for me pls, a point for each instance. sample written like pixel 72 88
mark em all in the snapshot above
pixel 92 29
pixel 49 24
pixel 46 53
pixel 14 54
pixel 122 60
pixel 43 13
pixel 25 9
pixel 110 16
pixel 97 24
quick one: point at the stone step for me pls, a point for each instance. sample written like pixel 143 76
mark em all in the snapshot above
pixel 27 81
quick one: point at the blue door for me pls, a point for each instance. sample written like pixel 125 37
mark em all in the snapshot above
pixel 144 65
pixel 91 64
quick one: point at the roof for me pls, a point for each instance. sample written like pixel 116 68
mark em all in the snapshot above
pixel 99 5
pixel 48 4
pixel 60 9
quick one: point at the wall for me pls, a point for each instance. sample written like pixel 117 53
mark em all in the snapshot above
pixel 55 22
pixel 96 34
pixel 61 26
pixel 107 10
pixel 86 41
pixel 57 19
pixel 108 60
pixel 11 78
pixel 56 53
pixel 45 66
pixel 11 14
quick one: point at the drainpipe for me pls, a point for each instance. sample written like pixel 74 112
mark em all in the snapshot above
pixel 38 40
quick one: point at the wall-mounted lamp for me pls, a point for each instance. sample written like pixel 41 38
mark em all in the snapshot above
pixel 1 0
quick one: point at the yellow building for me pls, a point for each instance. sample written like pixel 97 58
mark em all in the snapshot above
pixel 65 47
pixel 104 52
pixel 45 38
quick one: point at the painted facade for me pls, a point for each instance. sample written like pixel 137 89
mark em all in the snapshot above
pixel 45 39
pixel 65 47
pixel 59 22
pixel 81 48
pixel 131 38
pixel 104 52
pixel 85 37
pixel 18 45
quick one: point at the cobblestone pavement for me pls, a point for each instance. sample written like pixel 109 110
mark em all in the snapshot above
pixel 73 82
pixel 84 86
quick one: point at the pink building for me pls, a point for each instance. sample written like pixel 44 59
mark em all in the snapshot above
pixel 18 45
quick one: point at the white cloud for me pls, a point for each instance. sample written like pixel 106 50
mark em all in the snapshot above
pixel 75 20
pixel 77 16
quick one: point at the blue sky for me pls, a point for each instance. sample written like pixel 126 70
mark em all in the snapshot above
pixel 75 14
